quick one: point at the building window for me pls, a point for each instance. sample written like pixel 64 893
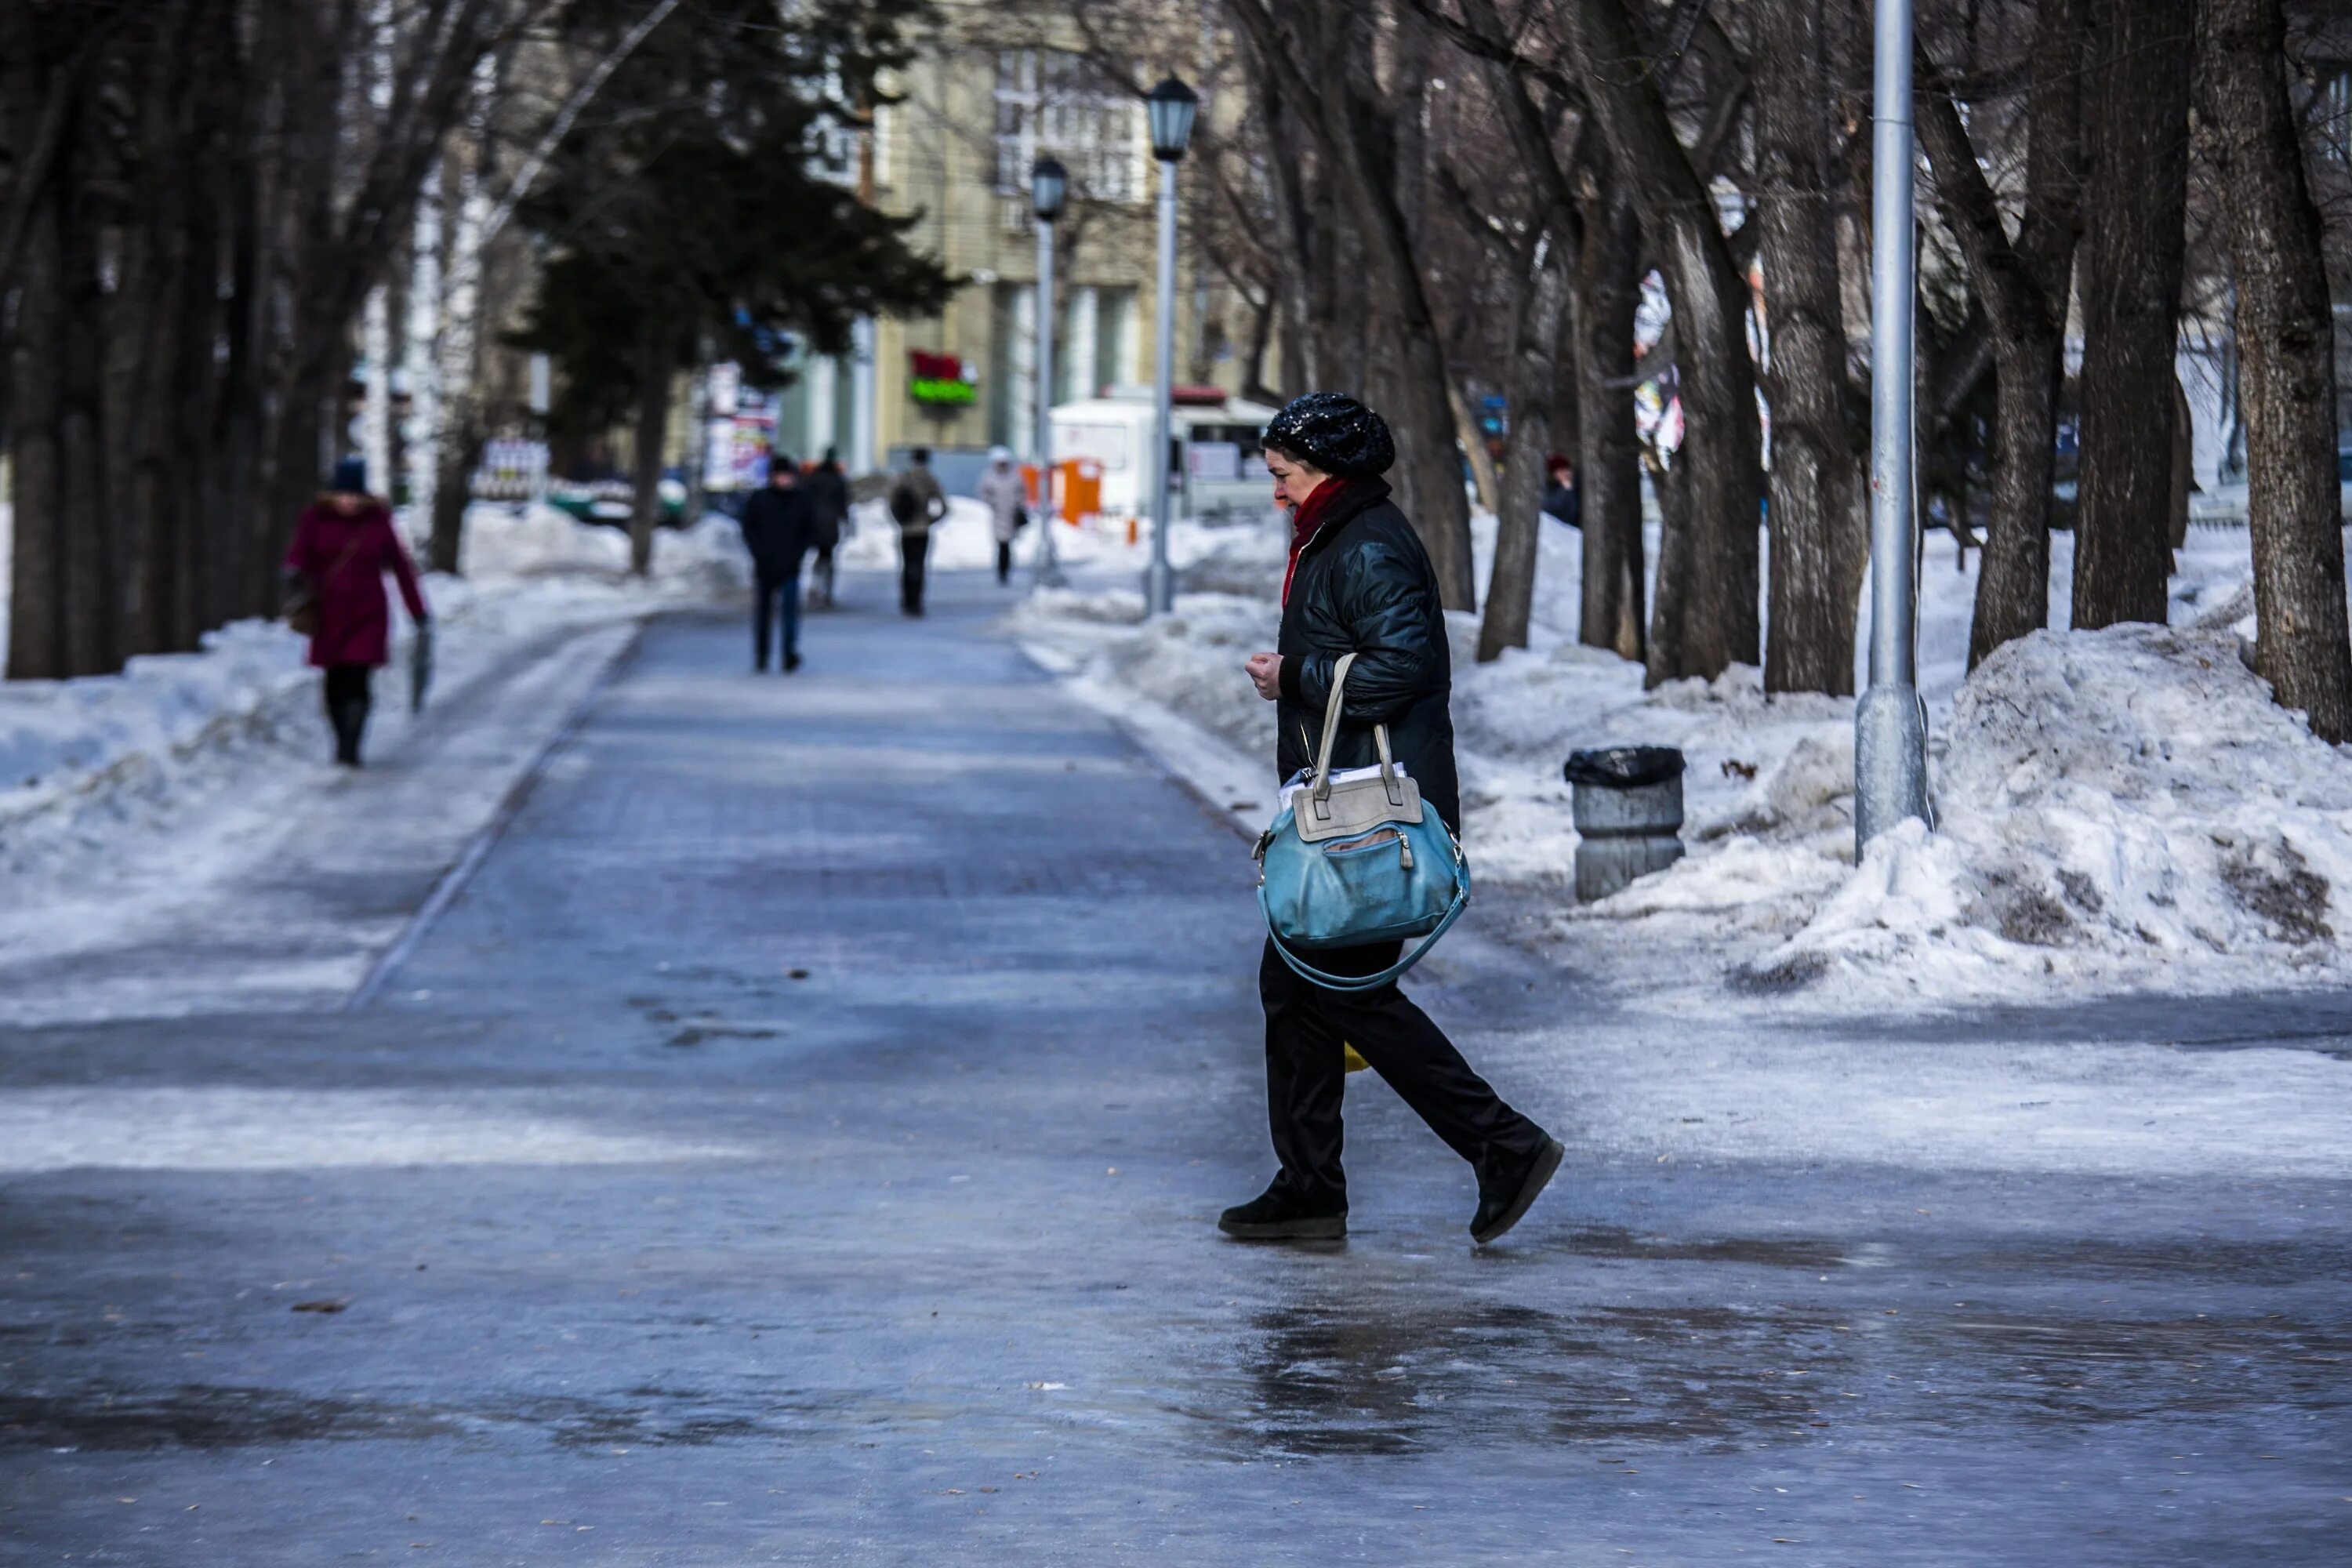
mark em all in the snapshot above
pixel 1113 337
pixel 2336 116
pixel 1048 101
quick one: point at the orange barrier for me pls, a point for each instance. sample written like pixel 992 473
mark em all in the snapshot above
pixel 1077 486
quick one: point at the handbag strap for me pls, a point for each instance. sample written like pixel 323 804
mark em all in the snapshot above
pixel 1322 791
pixel 1308 972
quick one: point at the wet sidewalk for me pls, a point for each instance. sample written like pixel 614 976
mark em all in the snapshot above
pixel 800 1140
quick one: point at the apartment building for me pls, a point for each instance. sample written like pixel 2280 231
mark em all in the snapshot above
pixel 975 112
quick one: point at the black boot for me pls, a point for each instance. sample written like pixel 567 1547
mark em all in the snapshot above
pixel 1505 1199
pixel 1275 1215
pixel 351 720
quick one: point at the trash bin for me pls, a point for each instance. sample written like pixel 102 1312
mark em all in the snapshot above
pixel 1629 815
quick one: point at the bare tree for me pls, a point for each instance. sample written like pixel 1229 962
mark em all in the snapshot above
pixel 1706 616
pixel 1609 454
pixel 2139 84
pixel 1354 137
pixel 2285 340
pixel 1819 542
pixel 2023 285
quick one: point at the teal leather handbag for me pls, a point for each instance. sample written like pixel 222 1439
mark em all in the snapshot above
pixel 1358 861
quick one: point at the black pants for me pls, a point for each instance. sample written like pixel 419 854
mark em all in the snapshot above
pixel 821 583
pixel 347 707
pixel 913 547
pixel 769 590
pixel 1306 1025
pixel 1004 560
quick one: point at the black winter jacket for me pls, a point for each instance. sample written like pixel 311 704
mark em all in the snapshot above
pixel 1364 586
pixel 779 527
pixel 828 493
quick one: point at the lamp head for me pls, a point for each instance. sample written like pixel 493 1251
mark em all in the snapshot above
pixel 1049 188
pixel 1170 107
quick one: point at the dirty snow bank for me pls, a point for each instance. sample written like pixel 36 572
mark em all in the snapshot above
pixel 2113 804
pixel 2119 808
pixel 83 762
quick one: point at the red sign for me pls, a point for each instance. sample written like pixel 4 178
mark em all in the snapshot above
pixel 940 379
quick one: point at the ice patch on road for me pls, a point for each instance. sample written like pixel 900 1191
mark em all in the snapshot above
pixel 230 1129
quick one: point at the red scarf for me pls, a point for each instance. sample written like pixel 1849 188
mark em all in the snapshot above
pixel 1306 522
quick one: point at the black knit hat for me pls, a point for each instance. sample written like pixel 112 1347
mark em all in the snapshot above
pixel 1335 433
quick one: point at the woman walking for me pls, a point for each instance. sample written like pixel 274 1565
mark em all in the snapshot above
pixel 1360 583
pixel 342 547
pixel 1003 493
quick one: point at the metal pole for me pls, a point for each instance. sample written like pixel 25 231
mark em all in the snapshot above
pixel 1890 726
pixel 861 396
pixel 1049 567
pixel 1160 581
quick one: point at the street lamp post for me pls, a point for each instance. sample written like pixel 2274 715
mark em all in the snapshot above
pixel 1049 185
pixel 1170 108
pixel 1890 726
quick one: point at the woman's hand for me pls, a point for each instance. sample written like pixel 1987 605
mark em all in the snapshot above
pixel 1265 674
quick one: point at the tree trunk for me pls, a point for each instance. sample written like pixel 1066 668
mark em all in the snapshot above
pixel 2288 375
pixel 1356 140
pixel 2139 87
pixel 1819 540
pixel 461 454
pixel 654 363
pixel 1518 517
pixel 458 433
pixel 36 649
pixel 2023 288
pixel 85 519
pixel 422 363
pixel 1609 452
pixel 1706 619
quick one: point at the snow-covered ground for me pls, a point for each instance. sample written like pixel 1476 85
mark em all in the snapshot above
pixel 82 761
pixel 124 798
pixel 2117 810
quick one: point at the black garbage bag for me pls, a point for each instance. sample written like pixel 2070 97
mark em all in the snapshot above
pixel 1623 767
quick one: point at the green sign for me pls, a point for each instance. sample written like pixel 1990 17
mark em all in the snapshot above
pixel 941 391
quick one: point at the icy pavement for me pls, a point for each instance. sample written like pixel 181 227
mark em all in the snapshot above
pixel 800 1142
pixel 172 839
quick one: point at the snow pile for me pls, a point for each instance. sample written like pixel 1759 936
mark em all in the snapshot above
pixel 82 760
pixel 2117 806
pixel 2112 802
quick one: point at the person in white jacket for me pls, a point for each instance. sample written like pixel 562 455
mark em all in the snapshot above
pixel 1002 492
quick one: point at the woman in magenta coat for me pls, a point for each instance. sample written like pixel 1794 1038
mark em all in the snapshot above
pixel 342 547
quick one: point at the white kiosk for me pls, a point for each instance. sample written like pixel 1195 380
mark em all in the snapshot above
pixel 1221 470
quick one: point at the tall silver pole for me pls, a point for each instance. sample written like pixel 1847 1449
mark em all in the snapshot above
pixel 1160 581
pixel 1890 727
pixel 861 396
pixel 1049 566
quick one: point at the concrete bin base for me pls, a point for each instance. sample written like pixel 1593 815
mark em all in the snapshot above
pixel 1629 815
pixel 1605 866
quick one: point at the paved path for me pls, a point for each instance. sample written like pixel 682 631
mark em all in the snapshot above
pixel 799 1144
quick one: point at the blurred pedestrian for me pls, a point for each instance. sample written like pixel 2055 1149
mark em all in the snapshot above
pixel 342 546
pixel 778 526
pixel 828 491
pixel 1360 583
pixel 1559 498
pixel 1006 498
pixel 915 502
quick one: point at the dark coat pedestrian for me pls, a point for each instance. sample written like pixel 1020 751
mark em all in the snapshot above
pixel 344 545
pixel 1360 582
pixel 1560 494
pixel 916 503
pixel 779 527
pixel 828 491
